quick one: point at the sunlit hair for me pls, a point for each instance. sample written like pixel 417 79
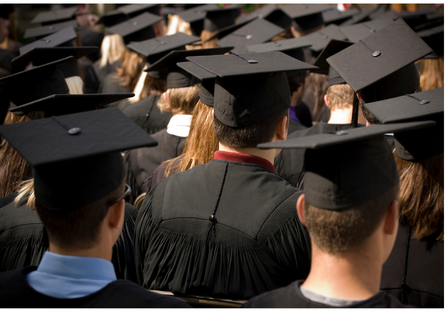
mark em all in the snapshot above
pixel 287 34
pixel 340 96
pixel 111 49
pixel 25 188
pixel 75 84
pixel 421 196
pixel 431 74
pixel 131 67
pixel 177 24
pixel 146 86
pixel 201 142
pixel 180 100
pixel 206 34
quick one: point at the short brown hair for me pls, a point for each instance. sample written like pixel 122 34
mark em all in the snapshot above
pixel 77 229
pixel 249 136
pixel 338 231
pixel 340 96
pixel 182 100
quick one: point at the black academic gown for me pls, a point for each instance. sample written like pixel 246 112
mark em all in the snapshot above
pixel 290 162
pixel 292 297
pixel 253 243
pixel 141 162
pixel 295 126
pixel 147 115
pixel 23 240
pixel 90 81
pixel 414 271
pixel 103 72
pixel 111 85
pixel 303 114
pixel 15 292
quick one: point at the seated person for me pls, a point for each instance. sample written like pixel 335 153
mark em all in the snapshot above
pixel 83 216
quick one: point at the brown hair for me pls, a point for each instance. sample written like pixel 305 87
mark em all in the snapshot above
pixel 317 84
pixel 181 100
pixel 340 96
pixel 335 231
pixel 421 196
pixel 286 34
pixel 77 229
pixel 206 34
pixel 153 86
pixel 201 142
pixel 431 73
pixel 131 67
pixel 249 136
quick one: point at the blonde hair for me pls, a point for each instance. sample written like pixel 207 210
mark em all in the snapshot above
pixel 111 49
pixel 201 142
pixel 27 187
pixel 75 84
pixel 340 96
pixel 131 67
pixel 431 74
pixel 206 34
pixel 139 87
pixel 177 24
pixel 180 100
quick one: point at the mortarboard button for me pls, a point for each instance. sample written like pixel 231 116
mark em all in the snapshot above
pixel 212 218
pixel 423 102
pixel 74 131
pixel 341 132
pixel 376 53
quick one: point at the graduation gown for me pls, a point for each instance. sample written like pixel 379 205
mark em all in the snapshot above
pixel 303 114
pixel 147 115
pixel 90 81
pixel 223 229
pixel 295 126
pixel 290 162
pixel 111 85
pixel 414 271
pixel 292 297
pixel 103 72
pixel 23 240
pixel 141 162
pixel 15 292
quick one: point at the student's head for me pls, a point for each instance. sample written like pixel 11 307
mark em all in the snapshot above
pixel 179 100
pixel 339 96
pixel 131 67
pixel 111 49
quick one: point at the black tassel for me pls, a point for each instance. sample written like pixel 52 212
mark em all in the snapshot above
pixel 354 119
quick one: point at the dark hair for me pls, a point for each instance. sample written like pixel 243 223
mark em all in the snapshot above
pixel 249 136
pixel 77 229
pixel 338 231
pixel 296 79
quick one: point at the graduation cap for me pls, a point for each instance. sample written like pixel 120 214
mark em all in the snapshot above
pixel 112 18
pixel 195 17
pixel 333 47
pixel 62 37
pixel 292 47
pixel 207 89
pixel 133 10
pixel 379 55
pixel 76 158
pixel 434 38
pixel 414 18
pixel 262 12
pixel 217 19
pixel 177 77
pixel 355 33
pixel 36 83
pixel 226 31
pixel 361 17
pixel 136 29
pixel 337 17
pixel 55 16
pixel 43 31
pixel 5 10
pixel 257 31
pixel 428 105
pixel 364 165
pixel 306 16
pixel 63 104
pixel 270 13
pixel 251 86
pixel 321 38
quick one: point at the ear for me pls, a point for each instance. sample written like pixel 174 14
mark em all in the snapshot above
pixel 213 113
pixel 159 29
pixel 282 129
pixel 391 221
pixel 300 210
pixel 326 100
pixel 294 32
pixel 358 96
pixel 115 215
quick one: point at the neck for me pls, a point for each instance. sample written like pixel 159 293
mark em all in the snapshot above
pixel 268 154
pixel 95 252
pixel 341 116
pixel 349 276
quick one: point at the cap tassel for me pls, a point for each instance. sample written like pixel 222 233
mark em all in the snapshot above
pixel 354 118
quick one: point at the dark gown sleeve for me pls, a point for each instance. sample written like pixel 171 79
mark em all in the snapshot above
pixel 130 176
pixel 90 81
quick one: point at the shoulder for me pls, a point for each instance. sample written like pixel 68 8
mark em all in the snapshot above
pixel 284 297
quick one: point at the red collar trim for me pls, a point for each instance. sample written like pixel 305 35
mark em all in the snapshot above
pixel 244 158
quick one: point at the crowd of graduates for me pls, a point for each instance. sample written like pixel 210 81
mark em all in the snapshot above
pixel 290 156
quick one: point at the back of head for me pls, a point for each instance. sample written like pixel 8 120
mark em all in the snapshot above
pixel 111 49
pixel 340 96
pixel 131 67
pixel 179 100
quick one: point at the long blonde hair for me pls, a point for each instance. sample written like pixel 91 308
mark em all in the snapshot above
pixel 201 142
pixel 180 100
pixel 27 187
pixel 111 49
pixel 177 24
pixel 131 67
pixel 75 84
pixel 431 74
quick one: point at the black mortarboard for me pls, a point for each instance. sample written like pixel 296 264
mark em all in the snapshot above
pixel 257 31
pixel 333 47
pixel 138 28
pixel 36 83
pixel 177 77
pixel 270 13
pixel 226 31
pixel 337 17
pixel 321 38
pixel 112 18
pixel 364 165
pixel 357 32
pixel 250 87
pixel 306 16
pixel 262 12
pixel 207 89
pixel 63 104
pixel 217 19
pixel 76 158
pixel 385 52
pixel 60 38
pixel 5 10
pixel 414 18
pixel 434 38
pixel 428 105
pixel 154 49
pixel 361 17
pixel 55 16
pixel 195 17
pixel 292 47
pixel 39 32
pixel 133 10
